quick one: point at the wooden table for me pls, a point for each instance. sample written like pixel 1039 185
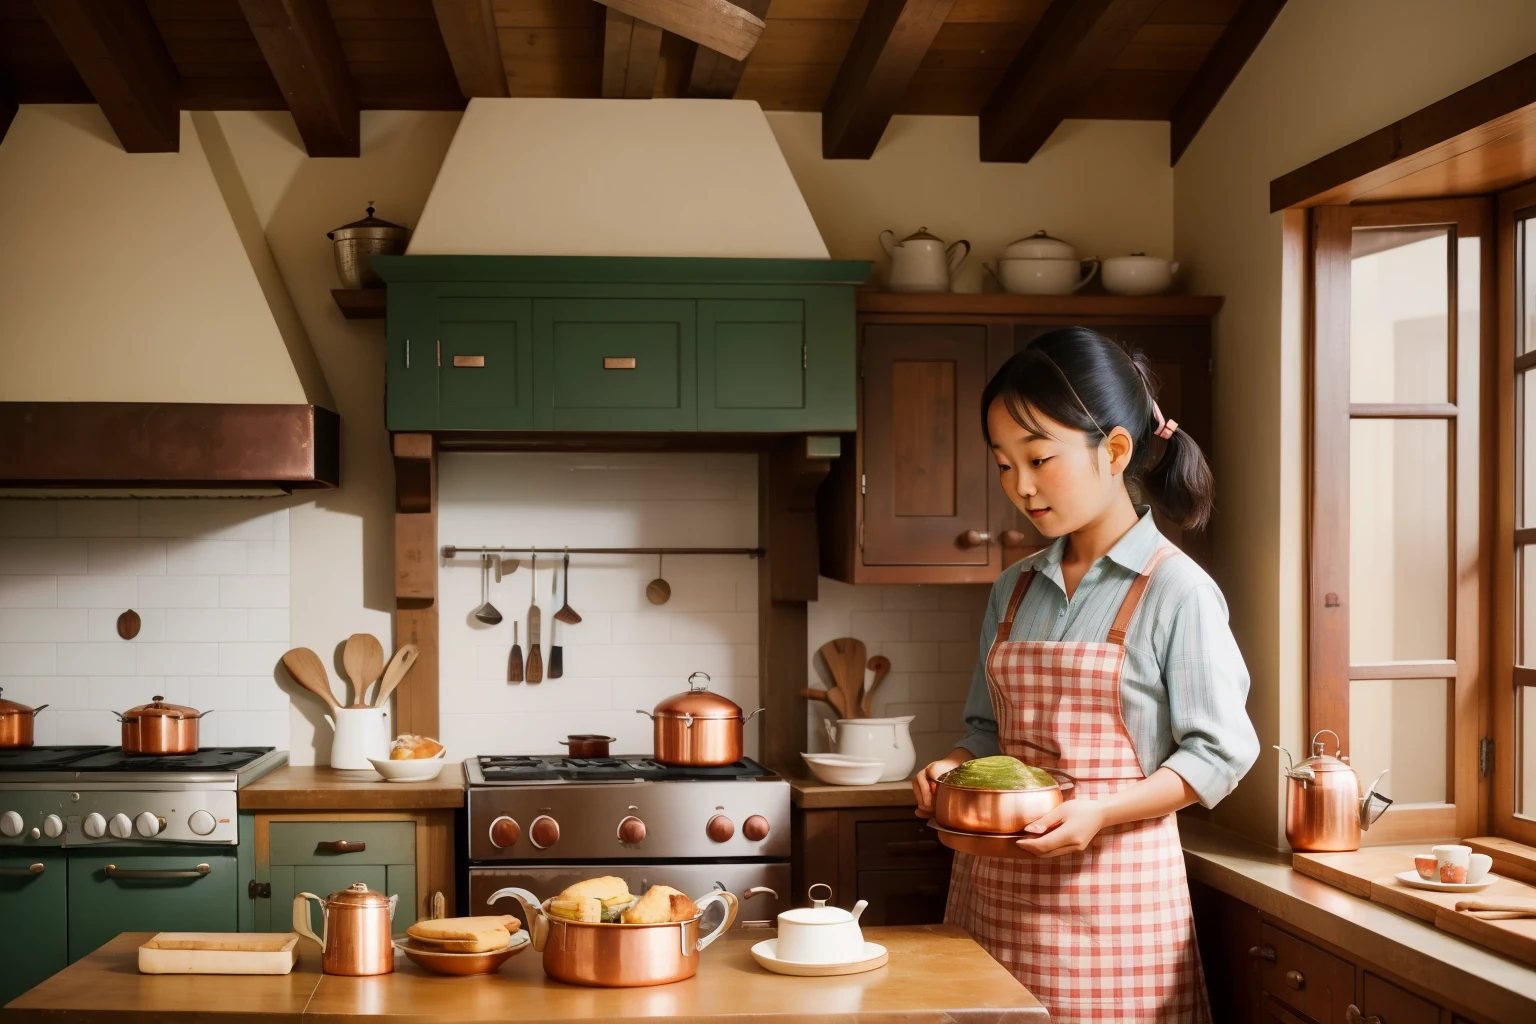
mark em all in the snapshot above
pixel 937 975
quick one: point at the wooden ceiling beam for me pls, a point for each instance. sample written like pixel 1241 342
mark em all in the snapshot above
pixel 714 76
pixel 1215 74
pixel 631 50
pixel 891 41
pixel 117 50
pixel 1074 43
pixel 718 24
pixel 469 33
pixel 300 44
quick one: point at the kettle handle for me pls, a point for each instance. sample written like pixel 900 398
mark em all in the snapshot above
pixel 957 253
pixel 301 918
pixel 1338 745
pixel 1092 270
pixel 886 242
pixel 732 905
pixel 538 924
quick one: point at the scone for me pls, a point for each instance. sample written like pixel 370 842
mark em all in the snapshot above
pixel 604 888
pixel 659 905
pixel 466 934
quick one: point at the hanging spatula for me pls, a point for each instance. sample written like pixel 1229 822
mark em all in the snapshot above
pixel 515 659
pixel 535 673
pixel 556 655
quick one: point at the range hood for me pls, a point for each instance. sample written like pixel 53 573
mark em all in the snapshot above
pixel 148 339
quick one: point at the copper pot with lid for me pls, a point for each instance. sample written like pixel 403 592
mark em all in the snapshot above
pixel 354 936
pixel 697 728
pixel 587 744
pixel 16 723
pixel 160 728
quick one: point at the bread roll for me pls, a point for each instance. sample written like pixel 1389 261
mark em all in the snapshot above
pixel 604 888
pixel 659 905
pixel 465 934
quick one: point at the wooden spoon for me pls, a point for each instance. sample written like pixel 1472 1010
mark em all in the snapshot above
pixel 845 660
pixel 879 665
pixel 363 658
pixel 307 669
pixel 399 665
pixel 658 591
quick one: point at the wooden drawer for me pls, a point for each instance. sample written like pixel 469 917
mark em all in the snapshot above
pixel 298 843
pixel 899 844
pixel 1305 978
pixel 1382 1002
pixel 903 897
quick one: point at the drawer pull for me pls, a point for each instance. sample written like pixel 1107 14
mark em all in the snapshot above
pixel 1353 1015
pixel 1295 980
pixel 469 360
pixel 30 869
pixel 1264 952
pixel 113 871
pixel 341 846
pixel 618 362
pixel 913 848
pixel 973 538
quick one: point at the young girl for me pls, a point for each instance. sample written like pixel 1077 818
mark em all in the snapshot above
pixel 1106 656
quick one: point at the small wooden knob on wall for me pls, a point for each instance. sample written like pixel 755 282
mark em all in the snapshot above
pixel 128 624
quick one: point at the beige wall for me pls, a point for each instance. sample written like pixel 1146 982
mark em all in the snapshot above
pixel 1326 74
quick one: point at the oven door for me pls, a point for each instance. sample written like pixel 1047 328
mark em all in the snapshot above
pixel 696 880
pixel 170 888
pixel 33 944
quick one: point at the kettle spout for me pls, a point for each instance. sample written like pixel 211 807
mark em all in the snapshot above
pixel 1373 805
pixel 858 908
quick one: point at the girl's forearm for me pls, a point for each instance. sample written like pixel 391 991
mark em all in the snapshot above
pixel 1163 792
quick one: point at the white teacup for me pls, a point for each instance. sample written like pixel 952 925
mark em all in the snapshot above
pixel 1453 864
pixel 1478 866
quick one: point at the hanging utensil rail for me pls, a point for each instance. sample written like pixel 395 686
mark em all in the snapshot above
pixel 450 550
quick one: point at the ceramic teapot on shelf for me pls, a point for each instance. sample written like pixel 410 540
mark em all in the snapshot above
pixel 921 262
pixel 1324 809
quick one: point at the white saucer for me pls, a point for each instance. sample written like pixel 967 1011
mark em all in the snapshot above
pixel 764 953
pixel 1412 880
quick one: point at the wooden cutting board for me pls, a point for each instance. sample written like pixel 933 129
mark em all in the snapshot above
pixel 219 953
pixel 1354 871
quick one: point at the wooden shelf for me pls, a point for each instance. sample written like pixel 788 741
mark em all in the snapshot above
pixel 1007 304
pixel 360 303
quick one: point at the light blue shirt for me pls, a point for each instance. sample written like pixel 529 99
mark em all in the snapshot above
pixel 1184 686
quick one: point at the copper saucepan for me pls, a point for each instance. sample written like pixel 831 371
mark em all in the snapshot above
pixel 697 728
pixel 160 728
pixel 996 811
pixel 16 724
pixel 587 744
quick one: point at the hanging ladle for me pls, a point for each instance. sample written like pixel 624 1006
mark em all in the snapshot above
pixel 658 591
pixel 487 612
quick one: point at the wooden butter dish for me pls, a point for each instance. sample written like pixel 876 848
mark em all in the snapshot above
pixel 219 953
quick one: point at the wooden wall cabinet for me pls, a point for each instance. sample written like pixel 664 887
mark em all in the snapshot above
pixel 919 500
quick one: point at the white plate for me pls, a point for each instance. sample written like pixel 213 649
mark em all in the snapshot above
pixel 875 956
pixel 844 770
pixel 422 769
pixel 1412 880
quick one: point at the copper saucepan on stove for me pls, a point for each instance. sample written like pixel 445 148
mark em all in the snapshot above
pixel 995 811
pixel 160 728
pixel 587 744
pixel 698 728
pixel 16 724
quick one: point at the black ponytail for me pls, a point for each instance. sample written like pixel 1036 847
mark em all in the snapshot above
pixel 1078 377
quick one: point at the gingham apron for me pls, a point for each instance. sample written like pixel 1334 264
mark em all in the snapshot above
pixel 1105 934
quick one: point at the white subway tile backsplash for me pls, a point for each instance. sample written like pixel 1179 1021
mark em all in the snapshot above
pixel 266 557
pixel 234 519
pixel 178 591
pixel 264 693
pixel 27 659
pixel 26 625
pixel 174 659
pixel 943 625
pixel 877 626
pixel 119 693
pixel 120 592
pixel 127 556
pixel 29 519
pixel 205 557
pixel 641 627
pixel 82 727
pixel 42 556
pixel 253 591
pixel 98 518
pixel 958 655
pixel 29 591
pixel 98 659
pixel 220 693
pixel 189 625
pixel 910 599
pixel 60 693
pixel 267 623
pixel 254 729
pixel 715 628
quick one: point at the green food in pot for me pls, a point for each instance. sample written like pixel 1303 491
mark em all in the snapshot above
pixel 1000 772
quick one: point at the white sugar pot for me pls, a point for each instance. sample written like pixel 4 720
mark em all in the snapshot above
pixel 888 739
pixel 819 934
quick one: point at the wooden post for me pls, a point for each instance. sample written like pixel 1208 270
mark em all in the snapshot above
pixel 416 579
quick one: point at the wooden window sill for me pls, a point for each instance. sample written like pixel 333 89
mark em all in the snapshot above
pixel 1510 859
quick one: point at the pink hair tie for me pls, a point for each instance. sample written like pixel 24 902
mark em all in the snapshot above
pixel 1165 428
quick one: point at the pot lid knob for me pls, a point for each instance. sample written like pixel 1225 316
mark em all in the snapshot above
pixel 811 894
pixel 695 687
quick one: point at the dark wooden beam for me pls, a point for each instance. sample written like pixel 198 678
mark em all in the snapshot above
pixel 469 33
pixel 300 44
pixel 631 49
pixel 118 52
pixel 889 44
pixel 1233 48
pixel 718 24
pixel 1074 43
pixel 714 76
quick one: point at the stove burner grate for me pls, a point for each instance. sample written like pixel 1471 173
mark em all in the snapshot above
pixel 112 759
pixel 515 768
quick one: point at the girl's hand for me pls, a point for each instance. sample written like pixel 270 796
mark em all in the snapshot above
pixel 1067 828
pixel 922 782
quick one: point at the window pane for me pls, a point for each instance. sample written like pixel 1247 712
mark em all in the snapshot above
pixel 1525 756
pixel 1401 724
pixel 1525 442
pixel 1399 345
pixel 1525 293
pixel 1399 540
pixel 1525 587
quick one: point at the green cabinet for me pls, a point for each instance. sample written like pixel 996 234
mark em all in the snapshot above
pixel 34 945
pixel 518 344
pixel 194 889
pixel 323 857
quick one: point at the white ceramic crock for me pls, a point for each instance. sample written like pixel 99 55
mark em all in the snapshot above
pixel 1038 246
pixel 1138 274
pixel 819 934
pixel 361 733
pixel 889 739
pixel 921 262
pixel 1045 276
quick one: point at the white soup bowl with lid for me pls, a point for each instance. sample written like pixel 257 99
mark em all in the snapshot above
pixel 819 934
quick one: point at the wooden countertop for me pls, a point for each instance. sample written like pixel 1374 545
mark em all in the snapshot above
pixel 813 794
pixel 937 975
pixel 330 789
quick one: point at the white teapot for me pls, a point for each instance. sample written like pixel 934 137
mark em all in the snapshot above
pixel 921 262
pixel 820 934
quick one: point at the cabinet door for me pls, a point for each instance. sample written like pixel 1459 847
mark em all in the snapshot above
pixel 485 376
pixel 303 857
pixel 903 897
pixel 149 892
pixel 34 947
pixel 927 471
pixel 1305 978
pixel 615 364
pixel 410 369
pixel 389 879
pixel 1381 999
pixel 752 364
pixel 1231 950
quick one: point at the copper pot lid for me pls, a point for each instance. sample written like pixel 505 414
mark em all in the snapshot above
pixel 357 895
pixel 160 709
pixel 369 227
pixel 698 702
pixel 12 707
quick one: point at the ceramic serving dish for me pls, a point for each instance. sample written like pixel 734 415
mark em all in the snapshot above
pixel 844 769
pixel 460 964
pixel 422 769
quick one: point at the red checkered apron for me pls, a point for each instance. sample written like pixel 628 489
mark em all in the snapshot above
pixel 1105 934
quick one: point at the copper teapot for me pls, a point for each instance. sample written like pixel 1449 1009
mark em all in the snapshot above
pixel 1324 811
pixel 354 939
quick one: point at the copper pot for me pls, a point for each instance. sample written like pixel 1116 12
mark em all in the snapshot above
pixel 587 744
pixel 160 728
pixel 16 724
pixel 995 811
pixel 698 728
pixel 619 955
pixel 1324 811
pixel 354 937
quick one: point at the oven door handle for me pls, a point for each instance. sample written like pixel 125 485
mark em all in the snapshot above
pixel 31 869
pixel 113 871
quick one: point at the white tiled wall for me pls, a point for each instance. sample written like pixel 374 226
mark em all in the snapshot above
pixel 209 579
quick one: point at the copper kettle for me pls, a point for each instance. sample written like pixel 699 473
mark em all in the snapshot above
pixel 1324 811
pixel 354 939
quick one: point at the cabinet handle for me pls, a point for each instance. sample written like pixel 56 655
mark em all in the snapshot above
pixel 113 871
pixel 30 869
pixel 973 538
pixel 618 362
pixel 1013 538
pixel 341 846
pixel 912 848
pixel 1264 952
pixel 1353 1015
pixel 469 360
pixel 1295 980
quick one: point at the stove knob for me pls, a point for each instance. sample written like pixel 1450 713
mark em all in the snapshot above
pixel 10 823
pixel 120 826
pixel 632 831
pixel 720 828
pixel 505 832
pixel 755 828
pixel 53 826
pixel 201 823
pixel 95 825
pixel 544 832
pixel 149 824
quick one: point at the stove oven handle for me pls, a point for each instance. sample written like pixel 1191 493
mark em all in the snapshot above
pixel 30 869
pixel 113 871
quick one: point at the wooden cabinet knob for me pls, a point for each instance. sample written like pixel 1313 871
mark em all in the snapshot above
pixel 1013 538
pixel 1264 952
pixel 1295 980
pixel 973 538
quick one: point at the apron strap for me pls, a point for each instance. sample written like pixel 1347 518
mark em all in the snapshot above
pixel 1005 628
pixel 1133 597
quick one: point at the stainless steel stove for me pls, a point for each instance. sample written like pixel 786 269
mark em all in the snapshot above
pixel 542 823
